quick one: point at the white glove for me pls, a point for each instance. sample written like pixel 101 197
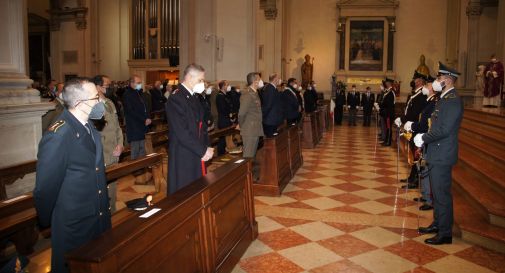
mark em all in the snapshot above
pixel 376 105
pixel 418 140
pixel 408 126
pixel 495 74
pixel 348 107
pixel 398 122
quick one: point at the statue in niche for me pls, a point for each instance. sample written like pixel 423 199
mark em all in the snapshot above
pixel 307 70
pixel 479 80
pixel 423 68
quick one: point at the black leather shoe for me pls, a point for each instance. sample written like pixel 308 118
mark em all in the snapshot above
pixel 427 230
pixel 410 186
pixel 438 240
pixel 404 180
pixel 426 207
pixel 419 199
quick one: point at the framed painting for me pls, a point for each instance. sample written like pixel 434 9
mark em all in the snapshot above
pixel 366 45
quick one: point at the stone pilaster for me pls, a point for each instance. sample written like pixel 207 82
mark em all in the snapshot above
pixel 473 11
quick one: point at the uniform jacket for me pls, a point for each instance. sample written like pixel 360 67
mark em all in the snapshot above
pixel 310 99
pixel 250 115
pixel 188 139
pixel 135 111
pixel 290 103
pixel 442 138
pixel 71 189
pixel 414 107
pixel 112 135
pixel 158 99
pixel 340 100
pixel 367 102
pixel 353 99
pixel 271 105
pixel 224 110
pixel 235 100
pixel 387 106
pixel 422 125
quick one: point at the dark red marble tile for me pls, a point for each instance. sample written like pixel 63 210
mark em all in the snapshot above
pixel 484 257
pixel 302 195
pixel 416 252
pixel 271 262
pixel 419 270
pixel 348 209
pixel 348 187
pixel 390 189
pixel 307 184
pixel 405 232
pixel 344 266
pixel 348 198
pixel 311 175
pixel 347 245
pixel 398 202
pixel 282 238
pixel 297 205
pixel 348 228
pixel 387 180
pixel 290 222
pixel 349 178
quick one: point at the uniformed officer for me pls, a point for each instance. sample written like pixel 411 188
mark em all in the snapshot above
pixel 340 101
pixel 111 133
pixel 250 119
pixel 419 127
pixel 271 106
pixel 414 106
pixel 188 138
pixel 442 153
pixel 310 98
pixel 387 111
pixel 71 189
pixel 367 102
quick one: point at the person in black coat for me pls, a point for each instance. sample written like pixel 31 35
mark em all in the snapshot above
pixel 188 138
pixel 136 117
pixel 310 98
pixel 235 101
pixel 157 97
pixel 387 111
pixel 292 108
pixel 70 192
pixel 352 105
pixel 271 106
pixel 224 113
pixel 339 106
pixel 367 102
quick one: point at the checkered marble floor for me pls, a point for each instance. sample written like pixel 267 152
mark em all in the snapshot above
pixel 344 212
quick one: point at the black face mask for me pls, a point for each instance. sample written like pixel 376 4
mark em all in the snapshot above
pixel 412 84
pixel 99 123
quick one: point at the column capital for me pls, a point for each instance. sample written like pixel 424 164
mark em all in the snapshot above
pixel 474 8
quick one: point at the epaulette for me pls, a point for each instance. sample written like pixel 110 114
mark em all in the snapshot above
pixel 450 96
pixel 175 91
pixel 56 126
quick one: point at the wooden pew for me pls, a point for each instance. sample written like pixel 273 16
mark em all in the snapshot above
pixel 273 158
pixel 295 148
pixel 205 227
pixel 158 114
pixel 320 124
pixel 10 174
pixel 310 139
pixel 157 142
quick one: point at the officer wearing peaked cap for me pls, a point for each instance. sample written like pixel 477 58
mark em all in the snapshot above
pixel 442 153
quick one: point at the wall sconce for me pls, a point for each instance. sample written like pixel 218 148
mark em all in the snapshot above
pixel 392 24
pixel 341 24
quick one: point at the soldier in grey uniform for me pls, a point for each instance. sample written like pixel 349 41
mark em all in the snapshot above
pixel 442 153
pixel 250 119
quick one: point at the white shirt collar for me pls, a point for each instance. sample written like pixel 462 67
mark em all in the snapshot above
pixel 187 88
pixel 445 92
pixel 429 97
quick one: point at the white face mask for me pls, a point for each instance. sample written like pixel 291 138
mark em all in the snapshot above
pixel 314 85
pixel 238 90
pixel 437 86
pixel 161 86
pixel 199 88
pixel 261 84
pixel 228 89
pixel 299 88
pixel 295 86
pixel 309 88
pixel 425 91
pixel 208 91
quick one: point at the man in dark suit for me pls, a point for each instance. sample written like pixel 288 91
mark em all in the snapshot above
pixel 271 106
pixel 310 98
pixel 339 106
pixel 224 110
pixel 188 138
pixel 250 120
pixel 352 105
pixel 71 189
pixel 414 106
pixel 292 108
pixel 367 102
pixel 387 111
pixel 442 153
pixel 157 97
pixel 136 117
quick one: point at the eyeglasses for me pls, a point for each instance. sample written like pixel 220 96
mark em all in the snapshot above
pixel 95 98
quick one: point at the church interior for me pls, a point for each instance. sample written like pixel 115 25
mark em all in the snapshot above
pixel 347 186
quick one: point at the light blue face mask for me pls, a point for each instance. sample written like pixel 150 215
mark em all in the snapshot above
pixel 138 86
pixel 97 111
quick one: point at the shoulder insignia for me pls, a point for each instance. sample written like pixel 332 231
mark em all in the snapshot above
pixel 450 96
pixel 175 91
pixel 56 126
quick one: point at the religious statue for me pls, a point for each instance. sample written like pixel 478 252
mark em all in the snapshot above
pixel 422 68
pixel 493 83
pixel 307 70
pixel 479 80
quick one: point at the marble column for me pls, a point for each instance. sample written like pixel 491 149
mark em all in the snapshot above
pixel 20 106
pixel 473 11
